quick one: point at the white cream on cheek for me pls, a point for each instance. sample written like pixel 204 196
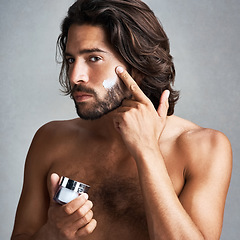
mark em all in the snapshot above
pixel 110 82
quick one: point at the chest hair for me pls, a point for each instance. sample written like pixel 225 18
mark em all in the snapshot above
pixel 121 200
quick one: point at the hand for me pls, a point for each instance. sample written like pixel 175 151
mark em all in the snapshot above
pixel 70 221
pixel 137 120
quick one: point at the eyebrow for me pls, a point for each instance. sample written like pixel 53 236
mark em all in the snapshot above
pixel 91 50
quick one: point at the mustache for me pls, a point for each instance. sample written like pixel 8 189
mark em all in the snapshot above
pixel 81 88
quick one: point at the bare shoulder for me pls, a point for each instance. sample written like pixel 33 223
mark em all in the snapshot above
pixel 206 141
pixel 50 140
pixel 204 148
pixel 60 127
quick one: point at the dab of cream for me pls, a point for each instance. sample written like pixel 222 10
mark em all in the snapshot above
pixel 109 83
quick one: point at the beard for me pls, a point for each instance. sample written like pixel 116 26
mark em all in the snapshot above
pixel 98 108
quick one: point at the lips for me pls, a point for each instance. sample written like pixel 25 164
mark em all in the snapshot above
pixel 81 96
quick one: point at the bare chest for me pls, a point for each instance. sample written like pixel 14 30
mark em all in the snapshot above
pixel 115 190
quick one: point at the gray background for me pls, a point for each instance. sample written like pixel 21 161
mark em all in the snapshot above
pixel 204 37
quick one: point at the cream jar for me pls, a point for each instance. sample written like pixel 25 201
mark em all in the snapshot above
pixel 68 190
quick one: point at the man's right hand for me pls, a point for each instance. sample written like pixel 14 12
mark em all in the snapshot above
pixel 72 220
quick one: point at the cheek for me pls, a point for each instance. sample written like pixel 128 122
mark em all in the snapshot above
pixel 110 82
pixel 111 79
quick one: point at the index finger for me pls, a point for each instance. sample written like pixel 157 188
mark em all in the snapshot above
pixel 131 85
pixel 75 204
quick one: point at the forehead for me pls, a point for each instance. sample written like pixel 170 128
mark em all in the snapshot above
pixel 87 37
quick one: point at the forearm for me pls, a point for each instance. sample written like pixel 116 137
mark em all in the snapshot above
pixel 42 234
pixel 21 237
pixel 167 219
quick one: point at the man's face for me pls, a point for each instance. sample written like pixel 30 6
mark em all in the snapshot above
pixel 96 88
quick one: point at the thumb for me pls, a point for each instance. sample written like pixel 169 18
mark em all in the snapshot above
pixel 163 105
pixel 54 180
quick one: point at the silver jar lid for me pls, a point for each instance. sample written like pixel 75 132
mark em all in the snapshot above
pixel 74 185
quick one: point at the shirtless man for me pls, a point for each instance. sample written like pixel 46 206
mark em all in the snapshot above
pixel 152 175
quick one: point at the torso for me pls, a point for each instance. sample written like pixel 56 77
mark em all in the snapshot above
pixel 111 172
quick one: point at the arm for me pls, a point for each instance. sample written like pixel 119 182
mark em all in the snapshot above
pixel 198 212
pixel 34 202
pixel 38 216
pixel 208 177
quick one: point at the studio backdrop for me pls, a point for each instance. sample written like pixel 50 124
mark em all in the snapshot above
pixel 204 37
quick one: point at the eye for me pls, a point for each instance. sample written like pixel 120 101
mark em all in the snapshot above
pixel 70 60
pixel 95 59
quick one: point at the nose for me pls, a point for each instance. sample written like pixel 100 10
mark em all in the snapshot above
pixel 78 72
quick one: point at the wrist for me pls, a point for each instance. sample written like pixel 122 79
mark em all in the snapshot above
pixel 43 233
pixel 148 153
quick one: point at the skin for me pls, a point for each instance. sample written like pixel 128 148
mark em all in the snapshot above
pixel 178 172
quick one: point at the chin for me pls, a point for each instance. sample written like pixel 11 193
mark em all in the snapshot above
pixel 96 114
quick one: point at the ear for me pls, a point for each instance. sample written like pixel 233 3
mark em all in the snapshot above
pixel 137 76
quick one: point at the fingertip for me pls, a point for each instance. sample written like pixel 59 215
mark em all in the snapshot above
pixel 167 94
pixel 119 69
pixel 85 195
pixel 54 178
pixel 95 222
pixel 54 175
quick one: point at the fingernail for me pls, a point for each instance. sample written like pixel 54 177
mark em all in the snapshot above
pixel 85 195
pixel 119 69
pixel 168 94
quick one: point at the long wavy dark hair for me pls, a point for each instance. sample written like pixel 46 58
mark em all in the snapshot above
pixel 136 34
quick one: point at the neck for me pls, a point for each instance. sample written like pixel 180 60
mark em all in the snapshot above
pixel 102 127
